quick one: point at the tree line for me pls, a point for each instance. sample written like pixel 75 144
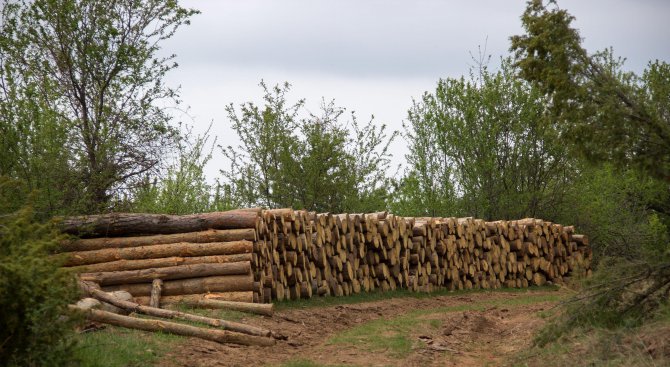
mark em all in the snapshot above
pixel 550 130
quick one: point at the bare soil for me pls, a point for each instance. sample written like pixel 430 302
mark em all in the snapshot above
pixel 487 336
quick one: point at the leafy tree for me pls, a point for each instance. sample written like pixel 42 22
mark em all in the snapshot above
pixel 184 188
pixel 612 114
pixel 90 74
pixel 621 118
pixel 288 158
pixel 485 147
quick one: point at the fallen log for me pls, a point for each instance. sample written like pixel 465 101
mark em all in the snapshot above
pixel 266 309
pixel 227 296
pixel 128 224
pixel 158 251
pixel 122 265
pixel 171 314
pixel 167 273
pixel 219 336
pixel 212 235
pixel 226 283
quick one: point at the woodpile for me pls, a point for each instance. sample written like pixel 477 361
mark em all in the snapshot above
pixel 255 255
pixel 307 254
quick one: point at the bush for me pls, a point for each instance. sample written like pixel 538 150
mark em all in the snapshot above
pixel 34 294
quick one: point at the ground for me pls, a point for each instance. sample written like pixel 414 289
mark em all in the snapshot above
pixel 472 329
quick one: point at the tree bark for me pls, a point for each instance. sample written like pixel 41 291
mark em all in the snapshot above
pixel 123 265
pixel 156 288
pixel 168 273
pixel 219 336
pixel 128 224
pixel 212 235
pixel 227 296
pixel 158 251
pixel 266 309
pixel 226 283
pixel 159 312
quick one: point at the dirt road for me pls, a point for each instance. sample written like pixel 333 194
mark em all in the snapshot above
pixel 475 329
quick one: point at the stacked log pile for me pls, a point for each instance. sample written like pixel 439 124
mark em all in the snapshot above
pixel 167 256
pixel 254 255
pixel 306 254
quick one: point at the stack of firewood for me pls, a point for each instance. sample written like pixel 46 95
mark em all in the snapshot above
pixel 305 254
pixel 254 255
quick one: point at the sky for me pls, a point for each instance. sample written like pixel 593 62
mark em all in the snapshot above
pixel 372 57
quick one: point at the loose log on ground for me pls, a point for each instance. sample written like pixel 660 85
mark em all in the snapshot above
pixel 220 336
pixel 171 314
pixel 123 265
pixel 212 235
pixel 226 296
pixel 168 273
pixel 266 309
pixel 158 251
pixel 226 283
pixel 127 224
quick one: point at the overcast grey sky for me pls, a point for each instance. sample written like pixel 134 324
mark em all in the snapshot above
pixel 372 57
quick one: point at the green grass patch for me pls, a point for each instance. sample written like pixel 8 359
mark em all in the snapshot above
pixel 392 335
pixel 120 347
pixel 398 293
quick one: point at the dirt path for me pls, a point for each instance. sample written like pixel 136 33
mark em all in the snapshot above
pixel 476 329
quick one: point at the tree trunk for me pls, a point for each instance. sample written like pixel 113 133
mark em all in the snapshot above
pixel 156 287
pixel 168 273
pixel 128 224
pixel 158 312
pixel 225 283
pixel 227 296
pixel 123 265
pixel 158 251
pixel 219 336
pixel 266 309
pixel 212 235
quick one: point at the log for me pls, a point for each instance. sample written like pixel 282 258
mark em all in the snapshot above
pixel 219 336
pixel 156 287
pixel 171 314
pixel 266 309
pixel 128 224
pixel 167 273
pixel 122 265
pixel 158 251
pixel 227 296
pixel 224 283
pixel 212 235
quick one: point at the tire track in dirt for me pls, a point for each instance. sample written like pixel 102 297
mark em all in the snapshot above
pixel 483 328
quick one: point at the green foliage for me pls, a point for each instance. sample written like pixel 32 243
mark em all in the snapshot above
pixel 34 294
pixel 613 208
pixel 316 162
pixel 621 118
pixel 81 96
pixel 483 147
pixel 184 189
pixel 613 115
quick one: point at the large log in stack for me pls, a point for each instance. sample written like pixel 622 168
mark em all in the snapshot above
pixel 265 255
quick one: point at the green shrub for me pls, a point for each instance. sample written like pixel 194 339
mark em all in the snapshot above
pixel 34 294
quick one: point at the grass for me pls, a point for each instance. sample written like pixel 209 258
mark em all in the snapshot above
pixel 392 335
pixel 398 293
pixel 120 347
pixel 114 346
